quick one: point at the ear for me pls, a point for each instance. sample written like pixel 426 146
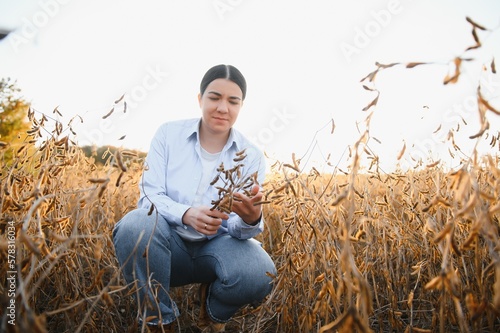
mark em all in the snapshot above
pixel 199 99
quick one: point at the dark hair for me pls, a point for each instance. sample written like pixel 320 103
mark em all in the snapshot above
pixel 224 72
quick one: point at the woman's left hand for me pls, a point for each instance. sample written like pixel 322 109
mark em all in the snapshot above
pixel 244 205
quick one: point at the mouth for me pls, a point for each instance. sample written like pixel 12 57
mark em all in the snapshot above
pixel 220 119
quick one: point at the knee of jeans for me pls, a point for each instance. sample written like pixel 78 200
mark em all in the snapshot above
pixel 258 286
pixel 258 274
pixel 133 224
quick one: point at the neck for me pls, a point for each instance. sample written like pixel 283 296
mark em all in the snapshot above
pixel 212 142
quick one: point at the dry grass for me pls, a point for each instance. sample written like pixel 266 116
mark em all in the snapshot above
pixel 415 251
pixel 63 208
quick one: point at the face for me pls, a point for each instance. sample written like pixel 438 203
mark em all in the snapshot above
pixel 220 105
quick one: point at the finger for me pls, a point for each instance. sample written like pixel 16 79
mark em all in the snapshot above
pixel 216 220
pixel 211 229
pixel 256 198
pixel 255 190
pixel 207 229
pixel 240 197
pixel 212 223
pixel 215 214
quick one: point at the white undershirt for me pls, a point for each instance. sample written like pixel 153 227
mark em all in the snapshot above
pixel 209 163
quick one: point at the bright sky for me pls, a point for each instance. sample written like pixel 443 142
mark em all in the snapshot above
pixel 303 62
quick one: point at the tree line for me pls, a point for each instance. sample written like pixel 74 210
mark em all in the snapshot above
pixel 14 125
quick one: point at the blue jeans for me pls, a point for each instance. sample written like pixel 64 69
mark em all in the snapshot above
pixel 146 246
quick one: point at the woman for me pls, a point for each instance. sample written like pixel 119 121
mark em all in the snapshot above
pixel 175 237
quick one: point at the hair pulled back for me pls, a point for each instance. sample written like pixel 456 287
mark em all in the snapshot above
pixel 228 72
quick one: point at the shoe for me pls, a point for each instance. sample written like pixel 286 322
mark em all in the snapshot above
pixel 205 323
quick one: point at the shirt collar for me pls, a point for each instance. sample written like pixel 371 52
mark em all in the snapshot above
pixel 234 137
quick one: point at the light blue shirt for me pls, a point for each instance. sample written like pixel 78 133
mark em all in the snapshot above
pixel 173 171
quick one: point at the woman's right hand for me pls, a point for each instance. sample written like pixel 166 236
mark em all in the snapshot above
pixel 204 220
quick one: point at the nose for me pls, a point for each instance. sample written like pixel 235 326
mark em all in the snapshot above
pixel 222 107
